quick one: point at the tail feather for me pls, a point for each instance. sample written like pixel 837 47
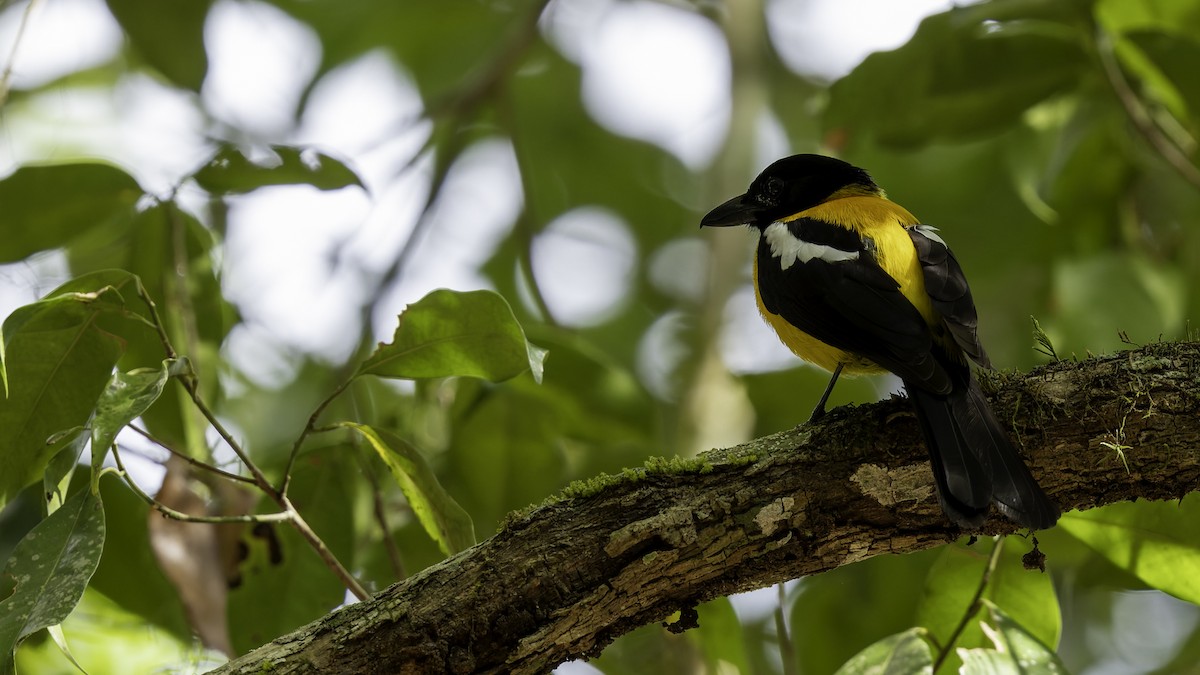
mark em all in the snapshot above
pixel 974 463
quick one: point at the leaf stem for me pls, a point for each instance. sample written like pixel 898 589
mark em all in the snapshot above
pixel 972 608
pixel 309 428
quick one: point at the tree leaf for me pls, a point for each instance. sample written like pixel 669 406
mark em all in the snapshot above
pixel 445 521
pixel 60 640
pixel 56 480
pixel 453 334
pixel 1016 650
pixel 129 575
pixel 1175 56
pixel 169 35
pixel 126 396
pixel 54 362
pixel 230 171
pixel 45 207
pixel 1028 595
pixel 963 74
pixel 52 566
pixel 899 654
pixel 505 452
pixel 1155 541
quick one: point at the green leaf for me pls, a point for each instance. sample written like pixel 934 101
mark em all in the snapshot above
pixel 45 207
pixel 150 252
pixel 51 566
pixel 1119 16
pixel 1175 56
pixel 169 35
pixel 505 452
pixel 230 171
pixel 126 396
pixel 453 334
pixel 445 521
pixel 900 654
pixel 129 575
pixel 56 480
pixel 1155 541
pixel 60 640
pixel 1016 650
pixel 1028 595
pixel 965 73
pixel 55 361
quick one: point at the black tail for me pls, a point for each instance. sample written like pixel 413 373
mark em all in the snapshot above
pixel 974 463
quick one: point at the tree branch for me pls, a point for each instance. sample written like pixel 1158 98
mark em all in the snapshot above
pixel 565 579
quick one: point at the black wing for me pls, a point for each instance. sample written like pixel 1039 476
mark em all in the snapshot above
pixel 948 291
pixel 851 304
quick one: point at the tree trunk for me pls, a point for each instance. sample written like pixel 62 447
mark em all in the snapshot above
pixel 563 580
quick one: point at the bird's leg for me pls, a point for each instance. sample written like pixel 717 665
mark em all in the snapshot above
pixel 819 411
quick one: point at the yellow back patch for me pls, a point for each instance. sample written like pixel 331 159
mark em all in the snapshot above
pixel 877 218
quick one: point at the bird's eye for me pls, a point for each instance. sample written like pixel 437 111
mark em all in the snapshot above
pixel 769 194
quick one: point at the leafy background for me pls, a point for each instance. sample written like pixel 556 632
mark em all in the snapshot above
pixel 285 177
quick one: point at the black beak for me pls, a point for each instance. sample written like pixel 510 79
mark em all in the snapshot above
pixel 736 211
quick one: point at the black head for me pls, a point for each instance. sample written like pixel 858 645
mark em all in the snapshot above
pixel 787 187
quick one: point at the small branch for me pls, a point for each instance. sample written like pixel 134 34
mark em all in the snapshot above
pixel 187 518
pixel 380 509
pixel 787 651
pixel 6 76
pixel 322 550
pixel 1174 156
pixel 194 462
pixel 973 607
pixel 309 428
pixel 526 218
pixel 177 280
pixel 188 382
pixel 156 321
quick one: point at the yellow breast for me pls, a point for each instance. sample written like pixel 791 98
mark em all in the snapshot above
pixel 885 223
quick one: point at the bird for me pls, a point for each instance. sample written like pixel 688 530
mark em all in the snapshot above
pixel 855 284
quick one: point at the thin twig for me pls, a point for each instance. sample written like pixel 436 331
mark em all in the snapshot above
pixel 309 427
pixel 187 518
pixel 389 541
pixel 194 462
pixel 455 107
pixel 787 651
pixel 1174 156
pixel 188 381
pixel 322 550
pixel 6 76
pixel 527 217
pixel 973 608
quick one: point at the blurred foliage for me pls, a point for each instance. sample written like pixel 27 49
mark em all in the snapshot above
pixel 1054 143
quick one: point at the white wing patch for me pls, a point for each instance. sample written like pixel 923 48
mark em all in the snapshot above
pixel 931 232
pixel 788 248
